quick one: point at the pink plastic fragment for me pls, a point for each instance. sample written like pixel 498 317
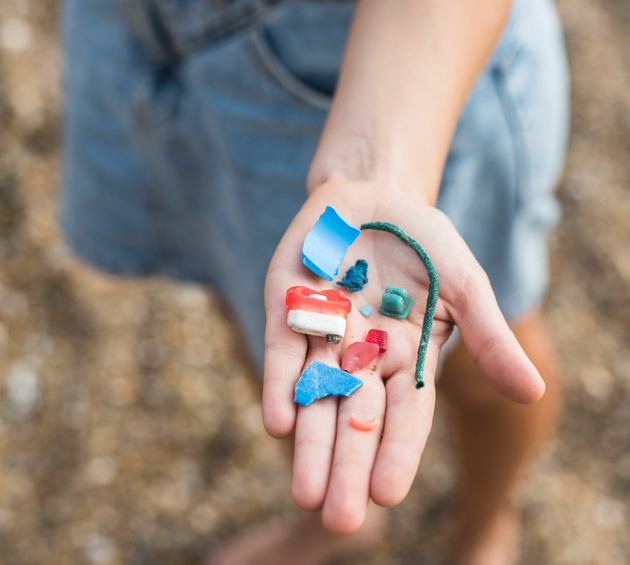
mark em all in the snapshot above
pixel 379 337
pixel 363 426
pixel 359 355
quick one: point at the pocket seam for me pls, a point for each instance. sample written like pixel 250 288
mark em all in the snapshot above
pixel 517 133
pixel 278 72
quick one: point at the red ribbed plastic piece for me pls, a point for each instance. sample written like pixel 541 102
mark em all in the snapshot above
pixel 379 337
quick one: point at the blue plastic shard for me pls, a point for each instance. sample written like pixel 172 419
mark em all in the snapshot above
pixel 356 276
pixel 326 244
pixel 319 380
pixel 366 310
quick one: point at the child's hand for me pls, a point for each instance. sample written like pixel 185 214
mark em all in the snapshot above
pixel 337 468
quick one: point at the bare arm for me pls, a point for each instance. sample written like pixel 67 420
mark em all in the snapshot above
pixel 407 71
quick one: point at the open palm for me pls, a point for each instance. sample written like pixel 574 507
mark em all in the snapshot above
pixel 338 468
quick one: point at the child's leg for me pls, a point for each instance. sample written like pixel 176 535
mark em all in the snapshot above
pixel 495 441
pixel 299 542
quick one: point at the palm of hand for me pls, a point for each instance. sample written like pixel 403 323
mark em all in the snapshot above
pixel 338 468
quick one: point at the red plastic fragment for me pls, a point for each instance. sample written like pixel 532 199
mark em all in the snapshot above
pixel 379 337
pixel 363 426
pixel 336 303
pixel 359 355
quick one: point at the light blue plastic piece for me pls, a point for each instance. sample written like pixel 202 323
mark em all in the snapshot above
pixel 366 310
pixel 326 244
pixel 319 380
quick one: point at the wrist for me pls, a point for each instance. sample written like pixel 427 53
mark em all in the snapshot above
pixel 381 165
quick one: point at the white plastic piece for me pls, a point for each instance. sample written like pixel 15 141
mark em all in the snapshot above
pixel 318 296
pixel 316 323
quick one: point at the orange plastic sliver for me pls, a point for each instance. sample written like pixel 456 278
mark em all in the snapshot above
pixel 363 426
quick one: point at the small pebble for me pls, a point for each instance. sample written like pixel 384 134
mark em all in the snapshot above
pixel 22 388
pixel 102 470
pixel 16 34
pixel 100 550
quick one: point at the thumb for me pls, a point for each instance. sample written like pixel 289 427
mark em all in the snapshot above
pixel 491 343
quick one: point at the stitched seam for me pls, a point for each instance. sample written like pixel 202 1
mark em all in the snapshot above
pixel 219 29
pixel 515 125
pixel 283 77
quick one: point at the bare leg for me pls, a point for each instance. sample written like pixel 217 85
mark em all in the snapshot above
pixel 300 542
pixel 495 441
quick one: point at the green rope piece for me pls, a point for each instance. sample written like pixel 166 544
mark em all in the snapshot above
pixel 434 284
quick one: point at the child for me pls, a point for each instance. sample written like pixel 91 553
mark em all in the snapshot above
pixel 192 128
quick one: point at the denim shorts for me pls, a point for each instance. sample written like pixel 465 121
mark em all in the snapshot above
pixel 190 126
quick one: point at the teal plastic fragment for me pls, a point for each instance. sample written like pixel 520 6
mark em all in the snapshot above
pixel 397 303
pixel 319 380
pixel 432 298
pixel 326 244
pixel 366 310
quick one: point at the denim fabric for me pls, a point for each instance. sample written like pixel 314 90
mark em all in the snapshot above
pixel 190 126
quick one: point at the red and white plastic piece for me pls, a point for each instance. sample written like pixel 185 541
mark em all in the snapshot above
pixel 318 312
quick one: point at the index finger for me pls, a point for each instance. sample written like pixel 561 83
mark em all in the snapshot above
pixel 285 351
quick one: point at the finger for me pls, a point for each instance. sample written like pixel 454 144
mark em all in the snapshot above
pixel 285 351
pixel 409 414
pixel 315 437
pixel 349 487
pixel 491 343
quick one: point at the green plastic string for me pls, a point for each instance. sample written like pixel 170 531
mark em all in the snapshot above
pixel 434 284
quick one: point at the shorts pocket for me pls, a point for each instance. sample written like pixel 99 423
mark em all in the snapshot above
pixel 299 46
pixel 276 70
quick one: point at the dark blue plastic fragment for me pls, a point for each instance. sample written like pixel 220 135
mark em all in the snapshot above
pixel 356 276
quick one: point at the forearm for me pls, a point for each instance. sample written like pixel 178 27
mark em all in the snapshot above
pixel 407 71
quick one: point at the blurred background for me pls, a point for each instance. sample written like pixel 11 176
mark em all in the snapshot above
pixel 129 431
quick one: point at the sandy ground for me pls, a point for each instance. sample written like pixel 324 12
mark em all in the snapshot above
pixel 129 432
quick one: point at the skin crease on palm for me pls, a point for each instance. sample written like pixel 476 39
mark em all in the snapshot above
pixel 338 468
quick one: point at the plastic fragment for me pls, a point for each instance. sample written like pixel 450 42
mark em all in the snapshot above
pixel 326 244
pixel 432 298
pixel 359 355
pixel 363 426
pixel 366 310
pixel 356 276
pixel 379 337
pixel 397 303
pixel 319 380
pixel 318 312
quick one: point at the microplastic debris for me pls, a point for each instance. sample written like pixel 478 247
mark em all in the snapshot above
pixel 356 276
pixel 396 303
pixel 379 337
pixel 318 312
pixel 319 380
pixel 366 310
pixel 326 244
pixel 363 426
pixel 432 298
pixel 359 355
